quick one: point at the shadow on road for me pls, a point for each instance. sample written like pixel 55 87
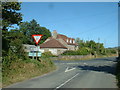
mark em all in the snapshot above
pixel 107 59
pixel 106 69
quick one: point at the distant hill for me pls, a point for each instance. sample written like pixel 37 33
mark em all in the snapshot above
pixel 114 47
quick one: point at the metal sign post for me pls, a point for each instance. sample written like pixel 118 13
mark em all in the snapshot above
pixel 33 53
pixel 37 52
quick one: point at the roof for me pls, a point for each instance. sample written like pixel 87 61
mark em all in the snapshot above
pixel 53 43
pixel 66 39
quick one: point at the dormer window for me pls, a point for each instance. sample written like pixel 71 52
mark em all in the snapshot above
pixel 70 41
pixel 67 41
pixel 73 41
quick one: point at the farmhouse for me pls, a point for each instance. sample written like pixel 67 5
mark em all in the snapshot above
pixel 58 43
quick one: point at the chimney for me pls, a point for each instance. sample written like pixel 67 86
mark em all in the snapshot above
pixel 54 34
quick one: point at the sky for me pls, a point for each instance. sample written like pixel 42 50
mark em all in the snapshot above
pixel 86 20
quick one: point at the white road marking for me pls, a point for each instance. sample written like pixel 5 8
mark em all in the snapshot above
pixel 85 63
pixel 66 81
pixel 67 70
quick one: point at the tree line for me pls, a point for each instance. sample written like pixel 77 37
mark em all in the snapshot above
pixel 90 47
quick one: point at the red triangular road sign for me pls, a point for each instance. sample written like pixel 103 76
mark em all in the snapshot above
pixel 37 38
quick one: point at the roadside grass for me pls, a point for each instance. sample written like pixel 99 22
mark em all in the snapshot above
pixel 25 69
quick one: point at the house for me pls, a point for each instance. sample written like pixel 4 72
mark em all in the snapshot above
pixel 58 44
pixel 32 50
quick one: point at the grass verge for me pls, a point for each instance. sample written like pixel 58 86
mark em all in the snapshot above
pixel 22 70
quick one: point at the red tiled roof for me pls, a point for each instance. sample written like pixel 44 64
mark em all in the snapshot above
pixel 65 38
pixel 53 43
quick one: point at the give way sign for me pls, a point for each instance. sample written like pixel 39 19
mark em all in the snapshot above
pixel 37 38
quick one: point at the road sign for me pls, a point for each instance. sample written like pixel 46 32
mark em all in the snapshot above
pixel 37 38
pixel 34 53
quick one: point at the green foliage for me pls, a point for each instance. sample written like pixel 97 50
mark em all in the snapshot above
pixel 86 47
pixel 110 51
pixel 30 28
pixel 84 51
pixel 81 51
pixel 10 14
pixel 47 54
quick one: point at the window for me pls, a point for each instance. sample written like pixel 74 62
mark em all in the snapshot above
pixel 73 41
pixel 67 40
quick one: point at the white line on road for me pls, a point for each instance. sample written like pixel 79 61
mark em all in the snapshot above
pixel 85 63
pixel 66 82
pixel 67 70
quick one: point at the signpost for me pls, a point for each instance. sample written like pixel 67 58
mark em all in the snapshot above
pixel 37 38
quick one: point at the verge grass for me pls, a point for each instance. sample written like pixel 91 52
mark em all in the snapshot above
pixel 23 70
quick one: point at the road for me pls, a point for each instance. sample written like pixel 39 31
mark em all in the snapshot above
pixel 95 73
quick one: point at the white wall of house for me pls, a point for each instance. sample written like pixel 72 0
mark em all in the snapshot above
pixel 41 50
pixel 60 51
pixel 54 51
pixel 71 47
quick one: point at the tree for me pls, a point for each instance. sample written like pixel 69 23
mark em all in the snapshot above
pixel 80 43
pixel 10 16
pixel 32 27
pixel 16 42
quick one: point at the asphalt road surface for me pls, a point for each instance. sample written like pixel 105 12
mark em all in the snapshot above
pixel 95 73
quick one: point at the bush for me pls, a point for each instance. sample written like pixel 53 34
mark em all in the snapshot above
pixel 81 51
pixel 84 51
pixel 113 51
